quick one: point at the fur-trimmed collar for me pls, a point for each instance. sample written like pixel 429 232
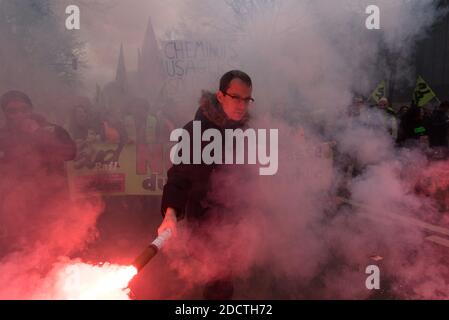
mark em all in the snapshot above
pixel 212 110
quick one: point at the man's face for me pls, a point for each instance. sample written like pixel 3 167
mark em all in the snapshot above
pixel 236 99
pixel 16 111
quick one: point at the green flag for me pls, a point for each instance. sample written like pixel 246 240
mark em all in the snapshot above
pixel 379 92
pixel 423 93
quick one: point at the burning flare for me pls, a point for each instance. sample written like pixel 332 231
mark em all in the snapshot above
pixel 77 280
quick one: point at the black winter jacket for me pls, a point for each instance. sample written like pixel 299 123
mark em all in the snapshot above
pixel 187 186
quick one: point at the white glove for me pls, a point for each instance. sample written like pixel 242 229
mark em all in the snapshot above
pixel 169 223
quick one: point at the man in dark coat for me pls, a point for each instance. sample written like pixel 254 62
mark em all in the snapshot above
pixel 32 156
pixel 185 194
pixel 28 140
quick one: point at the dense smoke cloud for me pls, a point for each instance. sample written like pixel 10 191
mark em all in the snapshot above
pixel 309 58
pixel 293 238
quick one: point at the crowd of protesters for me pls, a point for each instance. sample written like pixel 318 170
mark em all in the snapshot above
pixel 33 151
pixel 409 126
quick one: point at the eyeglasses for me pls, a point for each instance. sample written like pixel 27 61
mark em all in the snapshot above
pixel 239 99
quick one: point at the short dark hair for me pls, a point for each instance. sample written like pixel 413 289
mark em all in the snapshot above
pixel 226 79
pixel 14 95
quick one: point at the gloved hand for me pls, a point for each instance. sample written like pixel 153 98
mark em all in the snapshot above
pixel 170 222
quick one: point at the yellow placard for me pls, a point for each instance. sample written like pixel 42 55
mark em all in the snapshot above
pixel 423 94
pixel 379 92
pixel 102 168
